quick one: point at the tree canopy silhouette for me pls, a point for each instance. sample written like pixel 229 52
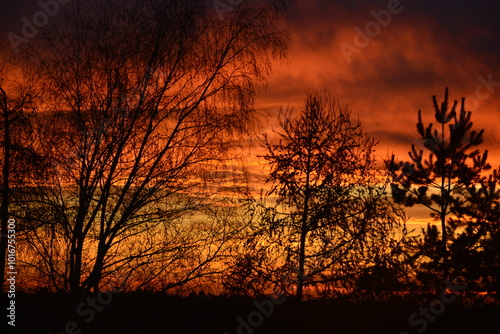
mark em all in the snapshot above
pixel 20 159
pixel 440 180
pixel 333 219
pixel 140 103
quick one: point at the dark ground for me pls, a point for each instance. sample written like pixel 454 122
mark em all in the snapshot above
pixel 158 313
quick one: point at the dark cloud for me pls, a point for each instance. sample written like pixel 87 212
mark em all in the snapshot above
pixel 428 46
pixel 11 13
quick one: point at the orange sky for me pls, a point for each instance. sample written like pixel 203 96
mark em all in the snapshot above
pixel 417 55
pixel 424 48
pixel 421 48
pixel 412 53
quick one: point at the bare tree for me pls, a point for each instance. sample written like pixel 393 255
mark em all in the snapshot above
pixel 4 214
pixel 142 102
pixel 333 218
pixel 19 159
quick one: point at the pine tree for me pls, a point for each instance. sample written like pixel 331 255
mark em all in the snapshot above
pixel 476 248
pixel 438 180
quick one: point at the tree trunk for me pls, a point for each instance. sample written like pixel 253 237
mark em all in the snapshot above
pixel 444 207
pixel 303 236
pixel 302 256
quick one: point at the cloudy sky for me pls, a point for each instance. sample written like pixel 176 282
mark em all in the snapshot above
pixel 386 70
pixel 392 69
pixel 386 59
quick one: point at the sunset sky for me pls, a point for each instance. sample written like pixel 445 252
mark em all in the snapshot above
pixel 386 76
pixel 425 47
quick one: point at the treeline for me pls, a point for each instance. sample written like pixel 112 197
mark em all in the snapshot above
pixel 338 227
pixel 122 122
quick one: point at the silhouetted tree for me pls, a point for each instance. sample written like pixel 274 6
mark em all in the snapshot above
pixel 439 180
pixel 333 216
pixel 19 160
pixel 255 262
pixel 476 247
pixel 5 181
pixel 142 102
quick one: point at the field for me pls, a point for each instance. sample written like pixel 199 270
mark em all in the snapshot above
pixel 158 313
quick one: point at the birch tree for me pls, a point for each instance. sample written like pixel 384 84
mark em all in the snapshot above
pixel 143 102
